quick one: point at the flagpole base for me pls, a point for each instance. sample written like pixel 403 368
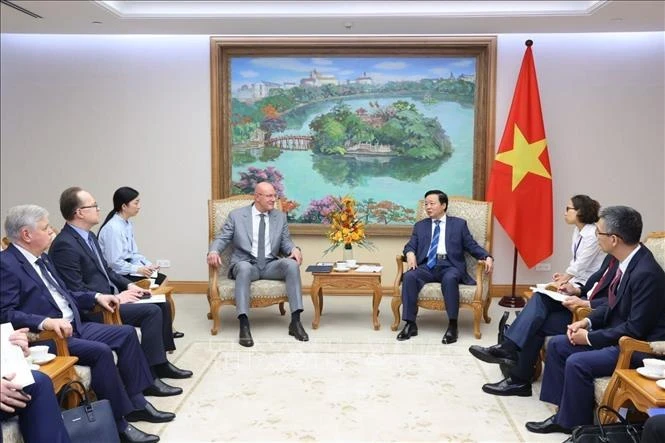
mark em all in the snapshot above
pixel 512 301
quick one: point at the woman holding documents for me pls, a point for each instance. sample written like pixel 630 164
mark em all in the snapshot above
pixel 582 212
pixel 116 238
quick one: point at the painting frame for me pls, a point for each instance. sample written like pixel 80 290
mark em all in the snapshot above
pixel 223 48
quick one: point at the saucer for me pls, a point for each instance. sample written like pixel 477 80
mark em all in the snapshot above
pixel 341 269
pixel 661 383
pixel 643 372
pixel 353 267
pixel 43 360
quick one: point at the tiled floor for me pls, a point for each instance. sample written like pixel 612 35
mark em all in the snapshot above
pixel 225 401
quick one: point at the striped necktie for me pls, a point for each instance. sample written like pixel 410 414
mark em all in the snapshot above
pixel 72 305
pixel 434 245
pixel 612 292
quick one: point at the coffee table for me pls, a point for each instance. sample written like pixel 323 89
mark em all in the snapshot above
pixel 61 371
pixel 346 280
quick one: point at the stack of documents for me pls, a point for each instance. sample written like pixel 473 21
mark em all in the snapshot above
pixel 369 268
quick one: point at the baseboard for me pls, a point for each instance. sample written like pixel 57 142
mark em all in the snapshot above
pixel 201 287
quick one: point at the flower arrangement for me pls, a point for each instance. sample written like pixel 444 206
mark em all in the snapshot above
pixel 345 226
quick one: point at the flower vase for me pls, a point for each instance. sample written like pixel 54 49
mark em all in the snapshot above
pixel 348 252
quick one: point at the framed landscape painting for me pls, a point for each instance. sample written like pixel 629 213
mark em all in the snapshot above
pixel 379 119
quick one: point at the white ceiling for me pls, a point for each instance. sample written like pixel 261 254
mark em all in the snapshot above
pixel 333 17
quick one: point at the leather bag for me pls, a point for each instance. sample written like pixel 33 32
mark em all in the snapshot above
pixel 90 421
pixel 622 432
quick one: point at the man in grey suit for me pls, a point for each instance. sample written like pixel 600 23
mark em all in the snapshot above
pixel 260 235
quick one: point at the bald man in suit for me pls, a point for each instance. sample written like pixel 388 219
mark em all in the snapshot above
pixel 262 249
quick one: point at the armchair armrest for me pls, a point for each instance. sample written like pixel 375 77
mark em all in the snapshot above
pixel 399 261
pixel 61 348
pixel 143 283
pixel 110 318
pixel 581 313
pixel 627 346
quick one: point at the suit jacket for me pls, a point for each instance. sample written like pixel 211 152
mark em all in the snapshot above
pixel 458 240
pixel 237 231
pixel 639 310
pixel 600 297
pixel 78 264
pixel 24 299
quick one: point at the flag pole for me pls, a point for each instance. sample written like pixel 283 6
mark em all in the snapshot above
pixel 513 300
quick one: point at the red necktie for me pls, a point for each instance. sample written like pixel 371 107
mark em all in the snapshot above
pixel 609 272
pixel 612 293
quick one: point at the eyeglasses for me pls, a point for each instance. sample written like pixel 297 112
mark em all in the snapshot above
pixel 568 208
pixel 90 206
pixel 607 234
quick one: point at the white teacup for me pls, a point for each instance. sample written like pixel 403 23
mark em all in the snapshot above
pixel 38 352
pixel 351 263
pixel 341 266
pixel 654 366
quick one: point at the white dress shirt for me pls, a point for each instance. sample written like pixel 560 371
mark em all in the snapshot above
pixel 587 257
pixel 441 249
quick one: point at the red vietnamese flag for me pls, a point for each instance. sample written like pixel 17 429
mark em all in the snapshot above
pixel 521 180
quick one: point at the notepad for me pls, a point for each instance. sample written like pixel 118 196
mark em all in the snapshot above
pixel 156 298
pixel 369 268
pixel 319 268
pixel 554 295
pixel 13 360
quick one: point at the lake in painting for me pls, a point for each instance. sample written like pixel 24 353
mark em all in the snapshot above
pixel 382 130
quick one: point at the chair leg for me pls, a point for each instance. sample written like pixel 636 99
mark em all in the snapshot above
pixel 477 314
pixel 394 305
pixel 486 308
pixel 215 305
pixel 282 311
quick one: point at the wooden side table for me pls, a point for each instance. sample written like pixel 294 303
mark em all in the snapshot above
pixel 61 371
pixel 640 391
pixel 346 280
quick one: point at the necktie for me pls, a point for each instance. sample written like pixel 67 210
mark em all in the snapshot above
pixel 61 291
pixel 609 272
pixel 91 243
pixel 261 250
pixel 433 246
pixel 612 292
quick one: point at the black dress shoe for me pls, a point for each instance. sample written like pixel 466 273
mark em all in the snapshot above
pixel 450 336
pixel 133 435
pixel 410 330
pixel 245 337
pixel 296 330
pixel 150 414
pixel 178 334
pixel 507 387
pixel 169 370
pixel 546 426
pixel 494 354
pixel 161 389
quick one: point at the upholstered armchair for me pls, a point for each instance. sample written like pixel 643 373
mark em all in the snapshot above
pixel 478 215
pixel 220 288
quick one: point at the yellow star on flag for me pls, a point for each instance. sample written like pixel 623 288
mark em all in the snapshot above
pixel 524 157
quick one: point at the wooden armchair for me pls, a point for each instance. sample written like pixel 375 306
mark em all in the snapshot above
pixel 220 287
pixel 478 215
pixel 608 390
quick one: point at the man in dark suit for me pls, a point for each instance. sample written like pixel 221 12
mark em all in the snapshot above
pixel 635 307
pixel 32 295
pixel 79 260
pixel 543 316
pixel 35 405
pixel 260 237
pixel 435 253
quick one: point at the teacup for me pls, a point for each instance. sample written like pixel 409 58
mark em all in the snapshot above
pixel 351 263
pixel 654 366
pixel 38 352
pixel 341 266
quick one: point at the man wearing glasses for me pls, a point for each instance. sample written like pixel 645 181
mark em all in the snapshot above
pixel 76 254
pixel 260 237
pixel 635 307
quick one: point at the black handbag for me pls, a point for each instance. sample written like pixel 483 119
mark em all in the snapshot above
pixel 90 421
pixel 622 432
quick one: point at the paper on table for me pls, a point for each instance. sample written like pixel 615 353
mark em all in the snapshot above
pixel 369 268
pixel 12 358
pixel 552 294
pixel 156 298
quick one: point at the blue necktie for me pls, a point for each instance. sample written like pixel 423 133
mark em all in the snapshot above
pixel 431 254
pixel 47 276
pixel 91 243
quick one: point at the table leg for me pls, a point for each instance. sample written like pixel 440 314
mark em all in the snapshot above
pixel 317 296
pixel 376 301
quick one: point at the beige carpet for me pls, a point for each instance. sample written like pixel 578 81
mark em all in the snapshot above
pixel 381 390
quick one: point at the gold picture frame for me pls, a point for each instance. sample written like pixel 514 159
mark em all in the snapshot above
pixel 482 49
